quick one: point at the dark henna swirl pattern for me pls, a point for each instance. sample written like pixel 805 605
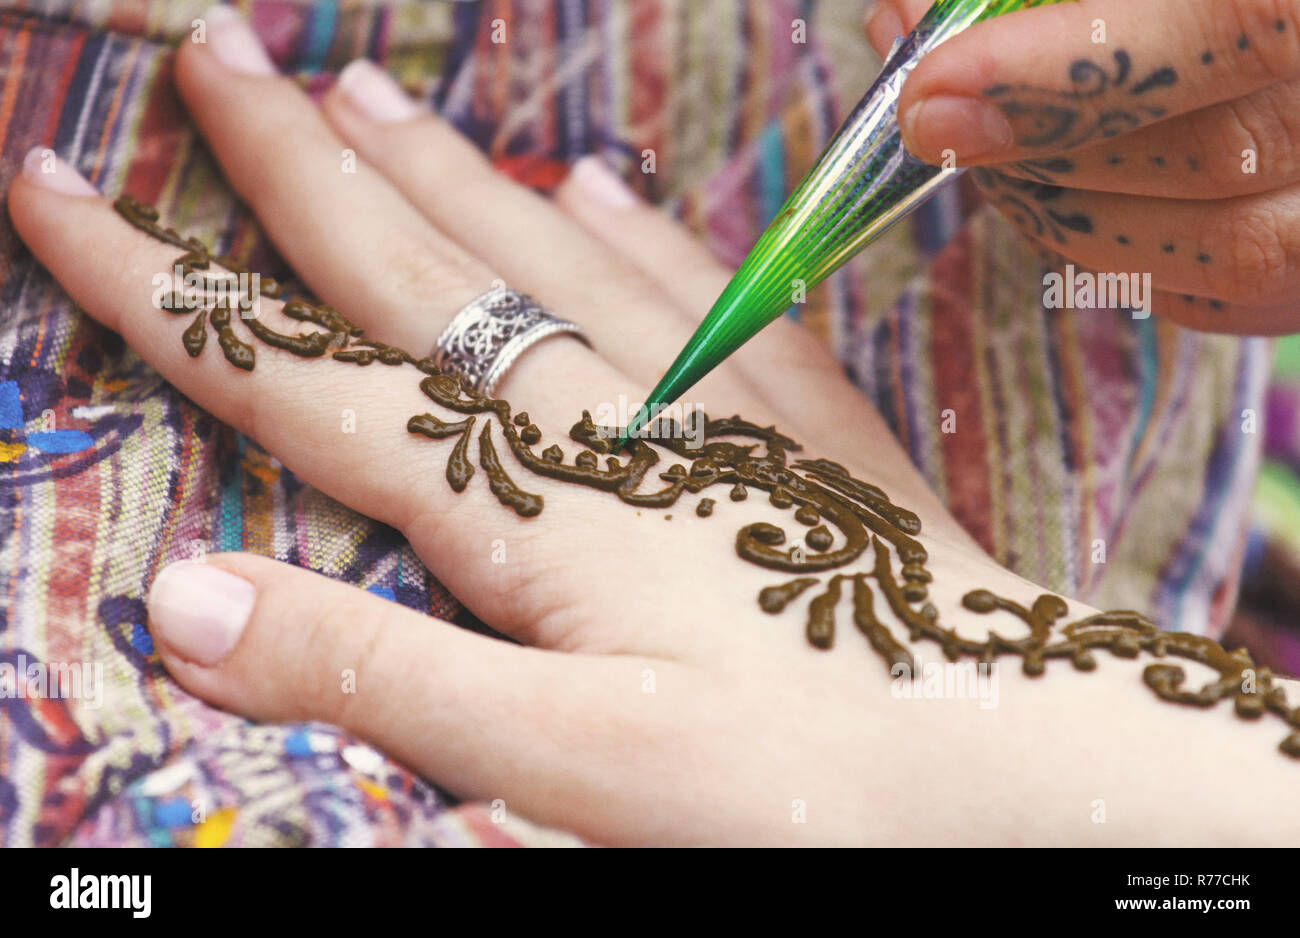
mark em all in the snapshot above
pixel 1056 118
pixel 821 494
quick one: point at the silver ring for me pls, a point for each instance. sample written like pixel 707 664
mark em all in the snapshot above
pixel 491 332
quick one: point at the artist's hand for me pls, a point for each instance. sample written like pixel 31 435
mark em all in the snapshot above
pixel 651 700
pixel 1131 136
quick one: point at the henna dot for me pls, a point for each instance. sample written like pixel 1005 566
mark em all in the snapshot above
pixel 1279 26
pixel 553 453
pixel 705 507
pixel 1215 304
pixel 1243 43
pixel 585 460
pixel 1158 160
pixel 766 533
pixel 1193 164
pixel 807 515
pixel 531 434
pixel 668 517
pixel 1121 239
pixel 1167 248
pixel 915 592
pixel 1207 58
pixel 1203 258
pixel 1187 298
pixel 781 498
pixel 1114 159
pixel 819 538
pixel 916 571
pixel 521 419
pixel 738 492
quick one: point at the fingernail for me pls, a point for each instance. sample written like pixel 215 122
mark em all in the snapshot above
pixel 199 611
pixel 372 91
pixel 44 168
pixel 969 127
pixel 599 181
pixel 235 43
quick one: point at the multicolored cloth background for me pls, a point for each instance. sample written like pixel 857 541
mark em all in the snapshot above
pixel 1099 455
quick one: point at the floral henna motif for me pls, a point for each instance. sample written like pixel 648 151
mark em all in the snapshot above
pixel 821 494
pixel 1055 118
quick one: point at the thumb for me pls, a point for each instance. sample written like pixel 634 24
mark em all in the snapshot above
pixel 277 643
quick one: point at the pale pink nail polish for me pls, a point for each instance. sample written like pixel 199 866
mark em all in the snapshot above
pixel 199 611
pixel 600 182
pixel 234 42
pixel 44 168
pixel 374 93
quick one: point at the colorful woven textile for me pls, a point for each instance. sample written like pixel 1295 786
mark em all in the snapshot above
pixel 1074 428
pixel 1268 618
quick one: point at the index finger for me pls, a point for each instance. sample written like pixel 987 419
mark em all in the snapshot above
pixel 1060 77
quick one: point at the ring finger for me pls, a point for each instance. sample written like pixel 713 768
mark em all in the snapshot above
pixel 322 200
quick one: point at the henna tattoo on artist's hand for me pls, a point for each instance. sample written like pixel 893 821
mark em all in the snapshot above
pixel 1034 206
pixel 1055 118
pixel 822 495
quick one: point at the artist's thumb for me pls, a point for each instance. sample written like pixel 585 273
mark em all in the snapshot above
pixel 277 643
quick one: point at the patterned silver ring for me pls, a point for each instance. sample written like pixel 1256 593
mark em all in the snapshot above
pixel 491 332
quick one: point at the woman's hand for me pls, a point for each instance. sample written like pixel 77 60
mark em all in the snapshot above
pixel 651 701
pixel 1154 137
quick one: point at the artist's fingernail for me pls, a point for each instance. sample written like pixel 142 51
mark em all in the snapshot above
pixel 968 127
pixel 235 43
pixel 199 611
pixel 883 25
pixel 373 92
pixel 600 183
pixel 44 168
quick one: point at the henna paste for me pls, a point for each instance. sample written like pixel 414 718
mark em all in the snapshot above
pixel 824 496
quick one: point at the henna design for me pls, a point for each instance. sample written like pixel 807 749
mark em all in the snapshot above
pixel 1030 205
pixel 823 497
pixel 1049 117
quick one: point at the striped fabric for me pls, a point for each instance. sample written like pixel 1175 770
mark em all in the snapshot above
pixel 1074 429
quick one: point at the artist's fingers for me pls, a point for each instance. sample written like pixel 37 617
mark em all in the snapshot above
pixel 1068 284
pixel 1240 253
pixel 886 20
pixel 348 233
pixel 1240 147
pixel 520 234
pixel 484 718
pixel 1059 77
